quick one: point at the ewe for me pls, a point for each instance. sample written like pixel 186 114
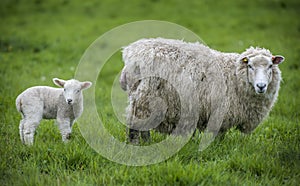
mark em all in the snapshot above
pixel 42 102
pixel 240 89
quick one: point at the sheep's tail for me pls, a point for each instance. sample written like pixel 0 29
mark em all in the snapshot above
pixel 123 80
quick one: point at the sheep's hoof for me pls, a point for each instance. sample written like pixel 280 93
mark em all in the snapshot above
pixel 146 136
pixel 134 141
pixel 133 136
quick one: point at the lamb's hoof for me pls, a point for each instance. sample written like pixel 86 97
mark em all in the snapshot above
pixel 28 143
pixel 28 140
pixel 66 138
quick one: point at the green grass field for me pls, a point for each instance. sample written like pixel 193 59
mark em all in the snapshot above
pixel 40 40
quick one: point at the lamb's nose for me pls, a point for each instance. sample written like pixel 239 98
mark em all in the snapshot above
pixel 69 101
pixel 261 86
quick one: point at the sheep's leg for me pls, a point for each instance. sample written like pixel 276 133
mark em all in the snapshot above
pixel 135 125
pixel 65 129
pixel 246 128
pixel 145 136
pixel 216 125
pixel 133 136
pixel 146 110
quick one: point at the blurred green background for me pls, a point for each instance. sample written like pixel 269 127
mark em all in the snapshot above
pixel 40 40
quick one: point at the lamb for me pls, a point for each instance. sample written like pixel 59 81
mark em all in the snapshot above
pixel 42 102
pixel 163 77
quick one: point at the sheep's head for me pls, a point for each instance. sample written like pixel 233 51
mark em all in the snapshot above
pixel 72 89
pixel 261 65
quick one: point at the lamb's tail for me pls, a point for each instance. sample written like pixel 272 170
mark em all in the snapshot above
pixel 21 126
pixel 19 105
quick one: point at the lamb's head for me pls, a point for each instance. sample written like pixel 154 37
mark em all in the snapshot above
pixel 72 89
pixel 261 65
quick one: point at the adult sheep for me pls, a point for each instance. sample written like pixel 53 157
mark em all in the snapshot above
pixel 241 87
pixel 64 104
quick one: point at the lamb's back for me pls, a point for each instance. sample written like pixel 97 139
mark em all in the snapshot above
pixel 40 99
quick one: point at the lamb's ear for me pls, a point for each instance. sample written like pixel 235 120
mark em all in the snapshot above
pixel 277 59
pixel 59 82
pixel 85 85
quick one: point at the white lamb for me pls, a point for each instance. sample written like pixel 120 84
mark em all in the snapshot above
pixel 42 102
pixel 238 89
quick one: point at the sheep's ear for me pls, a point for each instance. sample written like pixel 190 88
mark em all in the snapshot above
pixel 277 59
pixel 245 60
pixel 85 85
pixel 59 82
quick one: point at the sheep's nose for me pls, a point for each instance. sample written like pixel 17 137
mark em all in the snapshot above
pixel 69 101
pixel 261 86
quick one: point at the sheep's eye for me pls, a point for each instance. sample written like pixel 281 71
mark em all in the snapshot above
pixel 64 90
pixel 270 66
pixel 250 67
pixel 77 91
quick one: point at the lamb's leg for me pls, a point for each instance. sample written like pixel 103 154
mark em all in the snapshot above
pixel 32 113
pixel 64 125
pixel 21 130
pixel 29 127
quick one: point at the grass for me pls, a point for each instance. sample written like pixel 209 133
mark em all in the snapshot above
pixel 40 40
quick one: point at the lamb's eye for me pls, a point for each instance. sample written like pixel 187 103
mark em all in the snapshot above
pixel 77 91
pixel 64 90
pixel 270 66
